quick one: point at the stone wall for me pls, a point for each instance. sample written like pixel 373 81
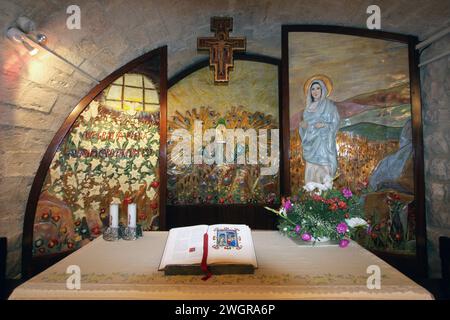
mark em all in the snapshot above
pixel 37 93
pixel 435 80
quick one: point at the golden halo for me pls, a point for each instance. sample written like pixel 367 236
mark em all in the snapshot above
pixel 327 81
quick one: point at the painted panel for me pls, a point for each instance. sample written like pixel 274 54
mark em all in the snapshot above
pixel 249 102
pixel 110 154
pixel 362 137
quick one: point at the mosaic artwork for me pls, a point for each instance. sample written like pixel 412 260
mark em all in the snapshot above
pixel 363 139
pixel 110 155
pixel 248 102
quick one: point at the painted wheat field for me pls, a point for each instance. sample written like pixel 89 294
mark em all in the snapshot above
pixel 357 158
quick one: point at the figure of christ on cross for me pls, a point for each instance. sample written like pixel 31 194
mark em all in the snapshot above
pixel 221 47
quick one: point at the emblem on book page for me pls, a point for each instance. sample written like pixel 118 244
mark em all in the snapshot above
pixel 227 239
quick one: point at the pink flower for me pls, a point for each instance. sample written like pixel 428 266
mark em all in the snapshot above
pixel 347 193
pixel 297 228
pixel 306 237
pixel 342 227
pixel 287 205
pixel 343 243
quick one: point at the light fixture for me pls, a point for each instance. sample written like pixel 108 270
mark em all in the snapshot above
pixel 25 24
pixel 18 36
pixel 25 33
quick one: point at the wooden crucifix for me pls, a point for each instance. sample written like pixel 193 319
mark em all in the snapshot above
pixel 221 47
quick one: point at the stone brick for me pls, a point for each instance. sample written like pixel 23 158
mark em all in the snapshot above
pixel 19 117
pixel 51 78
pixel 38 98
pixel 14 185
pixel 437 191
pixel 9 11
pixel 11 87
pixel 95 69
pixel 13 267
pixel 437 143
pixel 438 168
pixel 14 192
pixel 21 163
pixel 16 138
pixel 66 103
pixel 12 223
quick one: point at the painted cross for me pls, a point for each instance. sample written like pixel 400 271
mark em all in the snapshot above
pixel 221 47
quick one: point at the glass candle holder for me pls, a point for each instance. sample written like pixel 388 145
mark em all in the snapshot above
pixel 111 234
pixel 129 233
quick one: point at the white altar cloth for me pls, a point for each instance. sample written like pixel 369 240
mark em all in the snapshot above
pixel 128 270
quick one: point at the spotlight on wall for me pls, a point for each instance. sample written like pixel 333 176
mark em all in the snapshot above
pixel 18 36
pixel 24 32
pixel 25 24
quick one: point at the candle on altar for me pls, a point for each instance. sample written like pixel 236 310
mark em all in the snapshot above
pixel 132 215
pixel 114 215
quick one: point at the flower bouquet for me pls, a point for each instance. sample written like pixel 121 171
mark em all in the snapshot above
pixel 321 213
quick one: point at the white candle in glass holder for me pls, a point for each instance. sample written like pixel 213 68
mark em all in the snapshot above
pixel 132 215
pixel 114 215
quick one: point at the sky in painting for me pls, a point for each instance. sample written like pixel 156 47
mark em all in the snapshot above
pixel 253 85
pixel 356 65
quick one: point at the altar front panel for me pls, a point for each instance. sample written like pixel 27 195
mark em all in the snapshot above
pixel 128 270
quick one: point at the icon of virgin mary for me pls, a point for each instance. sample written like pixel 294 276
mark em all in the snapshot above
pixel 318 130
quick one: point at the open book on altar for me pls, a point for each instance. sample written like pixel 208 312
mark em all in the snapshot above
pixel 223 248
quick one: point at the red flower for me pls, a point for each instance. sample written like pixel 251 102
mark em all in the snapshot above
pixel 154 205
pixel 342 205
pixel 317 197
pixel 142 216
pixel 346 216
pixel 333 207
pixel 154 184
pixel 96 230
pixel 51 244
